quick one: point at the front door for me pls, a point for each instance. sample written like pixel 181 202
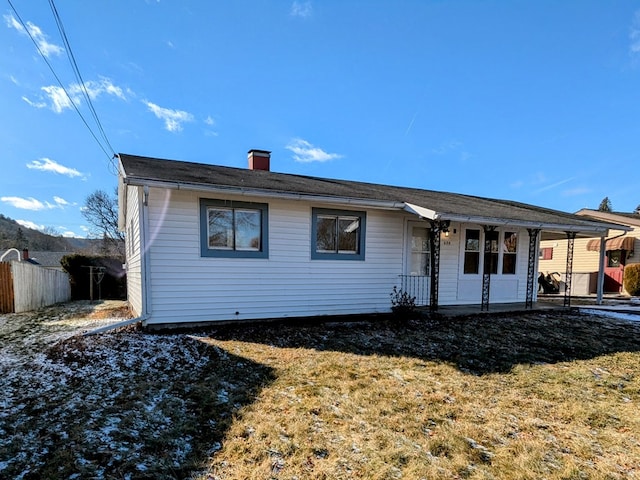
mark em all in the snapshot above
pixel 614 271
pixel 416 281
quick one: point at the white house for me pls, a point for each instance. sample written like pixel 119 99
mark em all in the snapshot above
pixel 212 243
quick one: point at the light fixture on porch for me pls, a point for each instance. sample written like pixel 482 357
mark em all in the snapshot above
pixel 445 228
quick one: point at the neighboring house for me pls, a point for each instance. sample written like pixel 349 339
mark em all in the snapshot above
pixel 45 259
pixel 622 247
pixel 213 243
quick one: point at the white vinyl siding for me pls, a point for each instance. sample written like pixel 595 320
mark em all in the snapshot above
pixel 133 250
pixel 187 287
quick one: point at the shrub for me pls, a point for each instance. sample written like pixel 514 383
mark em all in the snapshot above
pixel 632 279
pixel 402 304
pixel 109 280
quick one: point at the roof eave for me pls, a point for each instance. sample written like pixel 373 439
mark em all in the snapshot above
pixel 380 204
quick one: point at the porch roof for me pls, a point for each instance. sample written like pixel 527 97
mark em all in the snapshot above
pixel 428 204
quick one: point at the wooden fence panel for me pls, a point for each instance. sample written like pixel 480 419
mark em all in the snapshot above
pixel 6 288
pixel 35 287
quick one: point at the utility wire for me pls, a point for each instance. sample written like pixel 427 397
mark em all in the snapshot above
pixel 26 29
pixel 76 71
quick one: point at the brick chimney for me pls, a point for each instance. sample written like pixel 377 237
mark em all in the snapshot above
pixel 259 160
pixel 25 254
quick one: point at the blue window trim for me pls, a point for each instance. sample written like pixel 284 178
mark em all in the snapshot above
pixel 315 255
pixel 205 251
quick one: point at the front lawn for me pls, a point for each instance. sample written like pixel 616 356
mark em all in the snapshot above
pixel 541 395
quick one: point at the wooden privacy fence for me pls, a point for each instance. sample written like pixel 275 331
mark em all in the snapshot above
pixel 6 288
pixel 25 287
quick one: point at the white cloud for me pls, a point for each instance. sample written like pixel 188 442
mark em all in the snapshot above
pixel 37 34
pixel 444 148
pixel 61 100
pixel 31 225
pixel 305 152
pixel 34 204
pixel 26 203
pixel 61 202
pixel 301 9
pixel 573 192
pixel 35 104
pixel 634 34
pixel 554 185
pixel 68 234
pixel 209 121
pixel 48 165
pixel 173 119
pixel 95 89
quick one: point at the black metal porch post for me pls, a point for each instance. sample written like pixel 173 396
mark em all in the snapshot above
pixel 486 269
pixel 434 260
pixel 571 236
pixel 531 266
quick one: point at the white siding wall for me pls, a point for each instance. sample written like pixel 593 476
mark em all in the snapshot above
pixel 133 249
pixel 189 288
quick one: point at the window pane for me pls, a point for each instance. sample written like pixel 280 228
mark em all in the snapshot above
pixel 419 263
pixel 614 257
pixel 509 263
pixel 472 243
pixel 491 263
pixel 248 230
pixel 471 262
pixel 348 228
pixel 220 228
pixel 510 242
pixel 326 234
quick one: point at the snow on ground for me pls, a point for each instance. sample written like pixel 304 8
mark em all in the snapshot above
pixel 108 403
pixel 122 404
pixel 631 317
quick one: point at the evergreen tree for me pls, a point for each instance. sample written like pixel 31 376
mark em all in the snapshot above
pixel 21 240
pixel 605 205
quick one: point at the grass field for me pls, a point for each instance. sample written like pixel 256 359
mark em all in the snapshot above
pixel 531 397
pixel 535 396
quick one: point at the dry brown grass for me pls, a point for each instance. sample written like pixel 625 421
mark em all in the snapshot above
pixel 479 399
pixel 536 396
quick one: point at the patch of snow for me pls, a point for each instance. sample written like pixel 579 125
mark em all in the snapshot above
pixel 631 317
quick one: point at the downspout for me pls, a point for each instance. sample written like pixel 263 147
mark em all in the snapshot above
pixel 144 228
pixel 144 257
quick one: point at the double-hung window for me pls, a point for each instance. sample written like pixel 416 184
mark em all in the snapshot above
pixel 493 251
pixel 233 229
pixel 509 253
pixel 337 234
pixel 471 251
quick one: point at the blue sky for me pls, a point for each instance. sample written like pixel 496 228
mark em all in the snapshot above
pixel 533 101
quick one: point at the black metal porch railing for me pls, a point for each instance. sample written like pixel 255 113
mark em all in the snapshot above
pixel 417 286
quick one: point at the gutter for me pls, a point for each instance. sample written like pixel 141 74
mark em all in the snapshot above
pixel 422 212
pixel 382 204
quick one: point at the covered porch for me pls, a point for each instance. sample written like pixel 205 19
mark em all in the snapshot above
pixel 425 285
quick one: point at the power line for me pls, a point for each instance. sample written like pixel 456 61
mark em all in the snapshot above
pixel 76 71
pixel 75 107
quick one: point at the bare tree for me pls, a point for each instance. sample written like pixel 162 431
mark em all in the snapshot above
pixel 101 211
pixel 605 205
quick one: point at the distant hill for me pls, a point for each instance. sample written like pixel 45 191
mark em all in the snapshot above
pixel 14 235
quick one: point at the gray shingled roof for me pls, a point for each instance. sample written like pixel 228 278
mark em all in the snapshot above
pixel 140 170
